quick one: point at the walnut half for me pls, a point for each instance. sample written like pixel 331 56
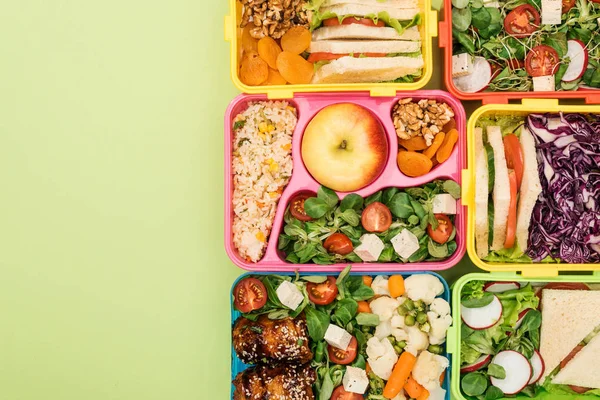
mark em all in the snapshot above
pixel 273 18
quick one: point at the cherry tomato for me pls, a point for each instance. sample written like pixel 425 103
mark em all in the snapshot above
pixel 340 394
pixel 342 357
pixel 249 294
pixel 572 354
pixel 317 57
pixel 297 206
pixel 514 156
pixel 376 217
pixel 322 293
pixel 579 389
pixel 511 224
pixel 443 231
pixel 338 243
pixel 567 5
pixel 541 61
pixel 352 20
pixel 522 21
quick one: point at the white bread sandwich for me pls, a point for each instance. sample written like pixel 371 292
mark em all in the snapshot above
pixel 568 318
pixel 481 196
pixel 381 48
pixel 379 3
pixel 361 31
pixel 501 193
pixel 582 371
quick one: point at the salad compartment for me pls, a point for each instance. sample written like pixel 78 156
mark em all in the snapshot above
pixel 301 181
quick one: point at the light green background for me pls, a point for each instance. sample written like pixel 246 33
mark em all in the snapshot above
pixel 113 277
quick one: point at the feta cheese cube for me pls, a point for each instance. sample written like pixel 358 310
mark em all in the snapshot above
pixel 405 244
pixel 337 337
pixel 444 204
pixel 543 83
pixel 289 295
pixel 370 248
pixel 355 380
pixel 462 65
pixel 551 12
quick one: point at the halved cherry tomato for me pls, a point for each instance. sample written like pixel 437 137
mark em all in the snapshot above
pixel 297 206
pixel 376 217
pixel 342 357
pixel 249 294
pixel 522 21
pixel 579 389
pixel 572 354
pixel 567 5
pixel 340 394
pixel 317 57
pixel 511 224
pixel 514 156
pixel 541 61
pixel 338 243
pixel 322 293
pixel 353 20
pixel 443 231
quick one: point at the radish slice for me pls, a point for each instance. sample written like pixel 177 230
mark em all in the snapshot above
pixel 522 315
pixel 537 362
pixel 477 365
pixel 482 317
pixel 578 54
pixel 478 79
pixel 499 287
pixel 518 371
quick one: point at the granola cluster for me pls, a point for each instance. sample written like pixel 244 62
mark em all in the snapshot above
pixel 425 118
pixel 273 18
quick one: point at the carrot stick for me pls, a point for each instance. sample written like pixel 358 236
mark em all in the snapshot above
pixel 363 306
pixel 400 375
pixel 424 395
pixel 396 285
pixel 442 378
pixel 412 388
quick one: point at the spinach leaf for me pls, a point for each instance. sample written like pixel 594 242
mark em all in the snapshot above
pixel 419 256
pixel 465 40
pixel 562 69
pixel 319 351
pixel 284 240
pixel 558 41
pixel 452 188
pixel 367 319
pixel 452 246
pixel 437 250
pixel 351 217
pixel 387 254
pixel 481 18
pixel 374 198
pixel 419 210
pixel 317 323
pixel 460 3
pixel 388 194
pixel 583 34
pixel 314 279
pixel 352 202
pixel 413 220
pixel 496 371
pixel 592 77
pixel 493 393
pixel 531 322
pixel 461 19
pixel 345 311
pixel 474 384
pixel 417 193
pixel 278 314
pixel 400 205
pixel 326 387
pixel 316 207
pixel 495 26
pixel 328 196
pixel 478 302
pixel 360 362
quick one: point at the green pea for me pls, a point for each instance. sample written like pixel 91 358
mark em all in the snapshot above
pixel 398 349
pixel 435 349
pixel 365 328
pixel 419 305
pixel 392 340
pixel 402 310
pixel 421 318
pixel 402 344
pixel 408 304
pixel 409 320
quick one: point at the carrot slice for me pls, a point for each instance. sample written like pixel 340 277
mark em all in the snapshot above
pixel 412 388
pixel 400 375
pixel 363 306
pixel 442 378
pixel 367 280
pixel 396 286
pixel 424 395
pixel 511 225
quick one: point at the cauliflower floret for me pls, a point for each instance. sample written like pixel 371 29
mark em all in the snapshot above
pixel 381 357
pixel 423 287
pixel 400 334
pixel 385 307
pixel 439 327
pixel 417 340
pixel 380 285
pixel 428 369
pixel 397 321
pixel 440 307
pixel 437 394
pixel 383 330
pixel 400 396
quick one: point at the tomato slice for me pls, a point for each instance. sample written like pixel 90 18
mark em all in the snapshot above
pixel 297 206
pixel 572 354
pixel 567 5
pixel 353 20
pixel 338 243
pixel 322 293
pixel 541 61
pixel 249 294
pixel 522 21
pixel 443 231
pixel 511 224
pixel 376 217
pixel 343 357
pixel 340 394
pixel 514 156
pixel 579 389
pixel 516 64
pixel 317 57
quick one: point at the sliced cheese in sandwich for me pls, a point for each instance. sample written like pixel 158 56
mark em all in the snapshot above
pixel 401 14
pixel 368 69
pixel 482 228
pixel 364 47
pixel 358 31
pixel 583 369
pixel 379 3
pixel 501 195
pixel 531 187
pixel 568 316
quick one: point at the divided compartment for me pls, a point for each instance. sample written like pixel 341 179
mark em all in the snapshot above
pixel 307 106
pixel 590 96
pixel 238 366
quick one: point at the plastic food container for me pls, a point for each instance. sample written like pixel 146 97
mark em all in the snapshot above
pixel 307 106
pixel 468 186
pixel 454 338
pixel 238 366
pixel 445 41
pixel 428 29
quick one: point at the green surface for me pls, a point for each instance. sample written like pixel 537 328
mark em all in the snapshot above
pixel 113 277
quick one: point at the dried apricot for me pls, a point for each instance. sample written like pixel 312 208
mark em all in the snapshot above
pixel 248 42
pixel 296 40
pixel 254 70
pixel 414 164
pixel 295 69
pixel 449 125
pixel 437 143
pixel 274 78
pixel 269 50
pixel 416 143
pixel 446 149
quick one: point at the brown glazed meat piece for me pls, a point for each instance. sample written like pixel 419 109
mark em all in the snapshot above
pixel 270 341
pixel 283 382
